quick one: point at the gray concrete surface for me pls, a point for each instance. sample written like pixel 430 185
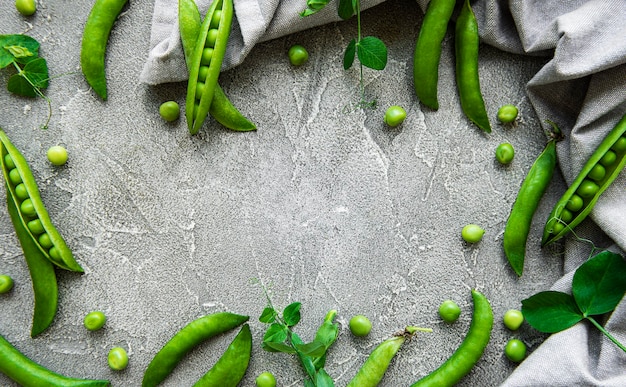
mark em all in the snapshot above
pixel 327 206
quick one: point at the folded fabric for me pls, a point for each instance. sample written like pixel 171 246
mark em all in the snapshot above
pixel 582 87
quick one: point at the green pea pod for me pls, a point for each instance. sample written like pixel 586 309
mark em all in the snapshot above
pixel 466 45
pixel 600 170
pixel 428 51
pixel 530 193
pixel 185 340
pixel 232 365
pixel 22 188
pixel 199 99
pixel 95 38
pixel 469 352
pixel 27 373
pixel 189 23
pixel 42 275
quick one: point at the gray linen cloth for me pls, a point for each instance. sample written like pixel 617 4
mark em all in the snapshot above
pixel 582 87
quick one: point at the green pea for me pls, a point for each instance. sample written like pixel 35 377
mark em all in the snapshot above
pixel 117 358
pixel 515 350
pixel 169 111
pixel 566 215
pixel 202 73
pixel 507 113
pixel 26 7
pixel 95 320
pixel 8 161
pixel 597 173
pixel 449 311
pixel 575 203
pixel 55 254
pixel 472 233
pixel 587 189
pixel 505 153
pixel 513 319
pixel 360 325
pixel 394 116
pixel 14 176
pixel 265 379
pixel 199 90
pixel 620 145
pixel 298 55
pixel 215 20
pixel 211 38
pixel 45 241
pixel 57 155
pixel 609 158
pixel 557 227
pixel 6 283
pixel 35 226
pixel 27 208
pixel 207 55
pixel 21 192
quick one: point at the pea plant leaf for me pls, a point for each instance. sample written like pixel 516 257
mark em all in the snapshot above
pixel 276 333
pixel 372 53
pixel 599 284
pixel 312 349
pixel 314 6
pixel 291 314
pixel 268 316
pixel 551 311
pixel 349 55
pixel 346 8
pixel 18 48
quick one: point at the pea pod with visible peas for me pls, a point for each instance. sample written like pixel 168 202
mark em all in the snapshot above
pixel 232 365
pixel 428 51
pixel 26 372
pixel 185 340
pixel 468 83
pixel 469 352
pixel 600 170
pixel 530 193
pixel 94 43
pixel 23 191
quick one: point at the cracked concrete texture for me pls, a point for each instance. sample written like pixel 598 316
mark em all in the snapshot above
pixel 323 203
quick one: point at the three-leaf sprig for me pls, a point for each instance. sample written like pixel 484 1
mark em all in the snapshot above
pixel 598 286
pixel 31 78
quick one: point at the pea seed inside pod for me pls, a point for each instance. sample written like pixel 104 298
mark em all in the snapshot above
pixel 35 226
pixel 45 241
pixel 14 176
pixel 587 188
pixel 28 208
pixel 55 254
pixel 620 145
pixel 215 20
pixel 199 90
pixel 597 173
pixel 609 158
pixel 207 55
pixel 211 38
pixel 21 192
pixel 202 73
pixel 557 227
pixel 566 215
pixel 8 161
pixel 575 203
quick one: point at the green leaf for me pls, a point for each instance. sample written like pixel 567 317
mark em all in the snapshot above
pixel 348 56
pixel 551 311
pixel 19 85
pixel 268 316
pixel 37 72
pixel 345 9
pixel 291 314
pixel 600 283
pixel 312 349
pixel 372 53
pixel 322 379
pixel 16 44
pixel 313 6
pixel 275 334
pixel 271 346
pixel 328 332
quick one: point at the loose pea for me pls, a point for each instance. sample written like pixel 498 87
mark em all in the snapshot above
pixel 202 73
pixel 620 145
pixel 35 226
pixel 94 321
pixel 26 7
pixel 14 176
pixel 472 233
pixel 45 241
pixel 515 350
pixel 566 215
pixel 6 284
pixel 57 155
pixel 609 158
pixel 215 20
pixel 587 188
pixel 265 379
pixel 199 90
pixel 28 208
pixel 298 55
pixel 513 319
pixel 169 111
pixel 211 38
pixel 207 55
pixel 505 153
pixel 597 173
pixel 117 358
pixel 20 191
pixel 575 203
pixel 360 325
pixel 449 311
pixel 394 116
pixel 8 161
pixel 507 113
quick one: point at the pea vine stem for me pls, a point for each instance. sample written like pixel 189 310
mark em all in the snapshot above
pixel 606 333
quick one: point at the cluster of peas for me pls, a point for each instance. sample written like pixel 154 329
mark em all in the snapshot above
pixel 207 55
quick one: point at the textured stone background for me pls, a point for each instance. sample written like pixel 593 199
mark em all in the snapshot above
pixel 323 203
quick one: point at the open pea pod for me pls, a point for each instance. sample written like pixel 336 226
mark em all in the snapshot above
pixel 602 168
pixel 22 188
